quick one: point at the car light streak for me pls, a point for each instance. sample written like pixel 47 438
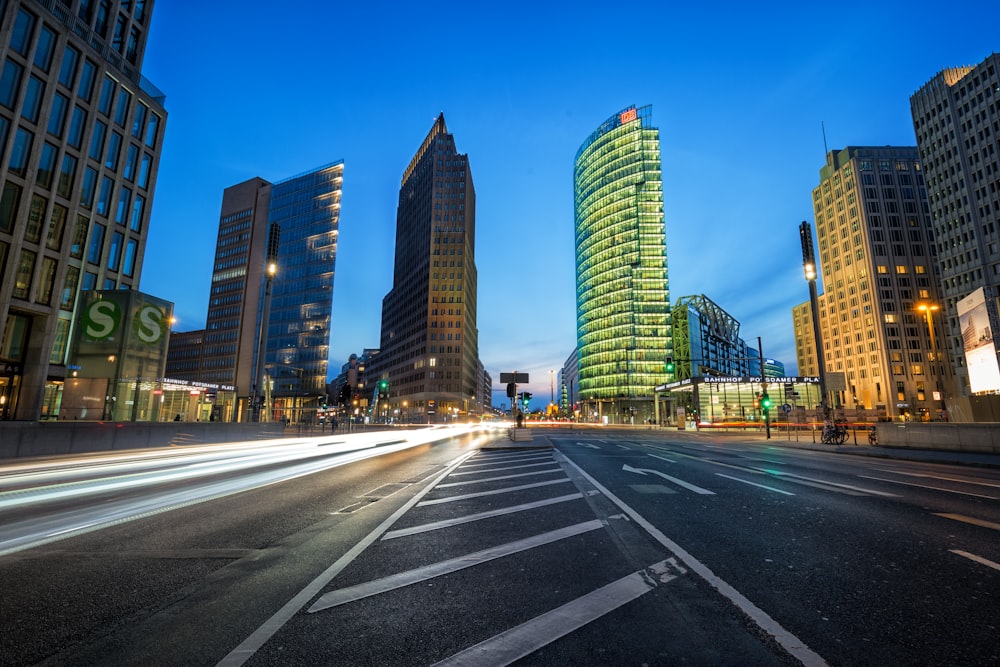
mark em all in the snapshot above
pixel 300 458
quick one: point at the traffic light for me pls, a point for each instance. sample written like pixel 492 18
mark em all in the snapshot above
pixel 765 402
pixel 670 364
pixel 511 390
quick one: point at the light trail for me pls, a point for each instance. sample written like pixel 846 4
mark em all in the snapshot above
pixel 255 464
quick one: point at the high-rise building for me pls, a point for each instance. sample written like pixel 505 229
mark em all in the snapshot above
pixel 956 117
pixel 305 211
pixel 876 252
pixel 80 140
pixel 430 342
pixel 306 208
pixel 622 294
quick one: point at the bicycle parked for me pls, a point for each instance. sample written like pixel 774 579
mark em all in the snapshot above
pixel 834 434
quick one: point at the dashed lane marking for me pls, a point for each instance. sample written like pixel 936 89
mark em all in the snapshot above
pixel 969 519
pixel 763 486
pixel 978 559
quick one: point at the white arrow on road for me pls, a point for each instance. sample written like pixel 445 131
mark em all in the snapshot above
pixel 678 482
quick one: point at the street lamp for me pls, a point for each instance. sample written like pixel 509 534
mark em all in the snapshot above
pixel 928 309
pixel 809 266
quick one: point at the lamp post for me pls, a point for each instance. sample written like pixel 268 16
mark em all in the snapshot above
pixel 270 271
pixel 809 265
pixel 928 309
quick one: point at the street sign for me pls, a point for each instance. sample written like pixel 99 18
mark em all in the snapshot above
pixel 786 408
pixel 519 378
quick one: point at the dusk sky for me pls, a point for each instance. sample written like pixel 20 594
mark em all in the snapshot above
pixel 739 93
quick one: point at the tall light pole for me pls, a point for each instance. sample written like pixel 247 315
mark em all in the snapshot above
pixel 809 265
pixel 270 271
pixel 927 309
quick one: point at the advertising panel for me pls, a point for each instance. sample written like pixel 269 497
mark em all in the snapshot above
pixel 977 341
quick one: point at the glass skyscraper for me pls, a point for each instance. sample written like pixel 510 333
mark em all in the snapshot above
pixel 622 293
pixel 307 210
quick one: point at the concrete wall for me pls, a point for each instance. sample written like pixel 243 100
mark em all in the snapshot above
pixel 23 439
pixel 978 438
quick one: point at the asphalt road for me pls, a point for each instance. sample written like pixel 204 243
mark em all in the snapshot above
pixel 590 547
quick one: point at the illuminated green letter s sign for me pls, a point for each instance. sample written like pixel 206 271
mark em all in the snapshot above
pixel 101 320
pixel 150 324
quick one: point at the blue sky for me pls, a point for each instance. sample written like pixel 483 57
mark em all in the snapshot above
pixel 739 92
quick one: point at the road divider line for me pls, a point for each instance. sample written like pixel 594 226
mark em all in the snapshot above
pixel 969 519
pixel 792 644
pixel 662 458
pixel 947 478
pixel 392 582
pixel 494 492
pixel 763 486
pixel 924 486
pixel 978 559
pixel 469 518
pixel 500 478
pixel 259 637
pixel 522 640
pixel 822 483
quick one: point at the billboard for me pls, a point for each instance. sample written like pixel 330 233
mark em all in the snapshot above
pixel 977 342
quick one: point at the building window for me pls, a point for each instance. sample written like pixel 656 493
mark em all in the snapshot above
pixel 32 99
pixel 57 225
pixel 88 188
pixel 46 280
pixel 76 125
pixel 9 202
pixel 96 244
pixel 121 111
pixel 79 237
pixel 107 96
pixel 20 38
pixel 67 175
pixel 36 216
pixel 22 279
pixel 44 48
pixel 97 141
pixel 10 81
pixel 87 75
pixel 67 72
pixel 69 288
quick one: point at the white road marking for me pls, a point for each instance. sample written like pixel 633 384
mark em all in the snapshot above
pixel 392 582
pixel 948 478
pixel 769 488
pixel 525 639
pixel 500 478
pixel 924 486
pixel 547 456
pixel 259 637
pixel 469 518
pixel 678 482
pixel 969 519
pixel 494 492
pixel 795 646
pixel 978 559
pixel 587 444
pixel 514 467
pixel 831 486
pixel 662 458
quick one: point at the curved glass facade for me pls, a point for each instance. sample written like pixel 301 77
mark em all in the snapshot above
pixel 622 293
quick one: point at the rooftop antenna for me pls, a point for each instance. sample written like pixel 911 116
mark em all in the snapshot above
pixel 823 129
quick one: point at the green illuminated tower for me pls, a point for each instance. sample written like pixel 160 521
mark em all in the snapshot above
pixel 622 294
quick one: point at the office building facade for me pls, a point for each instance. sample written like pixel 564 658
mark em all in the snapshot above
pixel 81 133
pixel 956 118
pixel 706 341
pixel 305 211
pixel 878 264
pixel 429 338
pixel 622 290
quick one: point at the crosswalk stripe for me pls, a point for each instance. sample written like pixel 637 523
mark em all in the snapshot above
pixel 500 478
